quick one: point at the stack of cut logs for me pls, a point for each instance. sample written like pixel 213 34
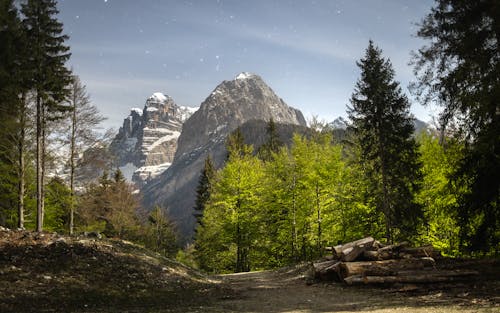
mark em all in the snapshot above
pixel 367 261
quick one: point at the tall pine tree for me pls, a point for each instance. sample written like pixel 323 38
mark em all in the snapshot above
pixel 382 128
pixel 460 69
pixel 11 88
pixel 49 77
pixel 204 188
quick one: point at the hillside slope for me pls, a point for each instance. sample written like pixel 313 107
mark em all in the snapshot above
pixel 47 272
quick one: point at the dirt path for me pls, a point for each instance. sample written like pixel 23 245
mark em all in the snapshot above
pixel 286 292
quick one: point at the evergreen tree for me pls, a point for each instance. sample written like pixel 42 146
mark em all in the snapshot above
pixel 12 115
pixel 204 188
pixel 459 69
pixel 382 127
pixel 110 207
pixel 49 77
pixel 235 143
pixel 273 143
pixel 161 231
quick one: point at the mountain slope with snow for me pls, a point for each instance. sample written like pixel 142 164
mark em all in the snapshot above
pixel 231 104
pixel 146 143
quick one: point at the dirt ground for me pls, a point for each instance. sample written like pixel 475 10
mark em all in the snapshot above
pixel 51 273
pixel 289 292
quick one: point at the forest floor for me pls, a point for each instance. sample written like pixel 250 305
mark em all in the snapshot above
pixel 51 273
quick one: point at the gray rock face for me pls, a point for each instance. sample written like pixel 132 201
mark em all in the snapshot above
pixel 229 106
pixel 146 143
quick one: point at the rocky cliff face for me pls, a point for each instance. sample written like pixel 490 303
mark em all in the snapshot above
pixel 230 105
pixel 146 143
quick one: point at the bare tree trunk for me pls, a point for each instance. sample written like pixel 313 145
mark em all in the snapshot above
pixel 43 156
pixel 39 164
pixel 318 209
pixel 21 171
pixel 72 164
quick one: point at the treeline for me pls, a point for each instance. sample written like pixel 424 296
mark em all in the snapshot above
pixel 281 205
pixel 49 144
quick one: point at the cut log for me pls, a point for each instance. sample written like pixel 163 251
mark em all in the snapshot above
pixel 350 251
pixel 377 255
pixel 327 271
pixel 383 268
pixel 417 277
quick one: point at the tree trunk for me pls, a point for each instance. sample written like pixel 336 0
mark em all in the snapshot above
pixel 318 209
pixel 383 268
pixel 21 172
pixel 327 271
pixel 350 251
pixel 39 172
pixel 416 277
pixel 72 164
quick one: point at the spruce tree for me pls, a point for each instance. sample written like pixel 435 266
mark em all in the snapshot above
pixel 460 69
pixel 382 128
pixel 204 188
pixel 273 143
pixel 11 88
pixel 49 77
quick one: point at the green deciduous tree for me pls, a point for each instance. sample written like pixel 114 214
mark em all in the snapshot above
pixel 439 194
pixel 80 133
pixel 382 128
pixel 460 69
pixel 57 205
pixel 228 235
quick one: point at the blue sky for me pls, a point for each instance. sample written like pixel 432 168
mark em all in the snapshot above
pixel 124 50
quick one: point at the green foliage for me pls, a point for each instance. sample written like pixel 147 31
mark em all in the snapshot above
pixel 187 256
pixel 57 205
pixel 204 188
pixel 273 143
pixel 459 69
pixel 160 233
pixel 281 211
pixel 227 238
pixel 382 129
pixel 438 195
pixel 109 208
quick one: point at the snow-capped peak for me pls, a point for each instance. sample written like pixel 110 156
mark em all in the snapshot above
pixel 158 96
pixel 244 75
pixel 136 110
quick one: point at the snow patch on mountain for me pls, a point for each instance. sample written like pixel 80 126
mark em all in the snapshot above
pixel 145 146
pixel 244 75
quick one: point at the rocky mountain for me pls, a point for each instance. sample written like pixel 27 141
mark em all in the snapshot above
pixel 232 104
pixel 146 143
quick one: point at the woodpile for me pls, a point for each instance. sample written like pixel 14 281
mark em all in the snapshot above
pixel 368 261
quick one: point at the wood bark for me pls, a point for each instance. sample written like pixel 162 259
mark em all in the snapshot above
pixel 350 251
pixel 413 277
pixel 72 162
pixel 22 170
pixel 327 271
pixel 39 172
pixel 381 268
